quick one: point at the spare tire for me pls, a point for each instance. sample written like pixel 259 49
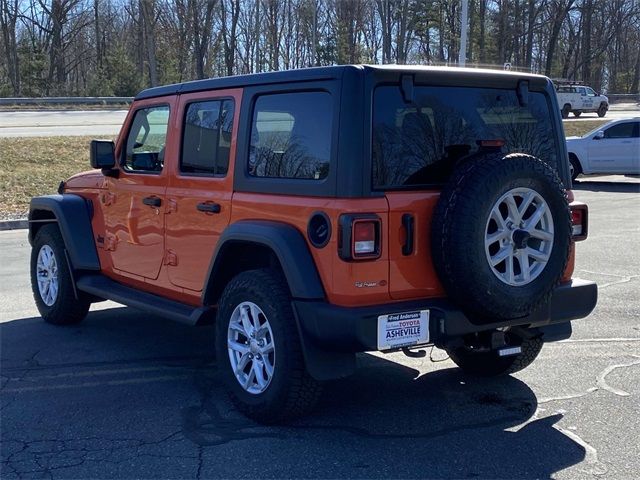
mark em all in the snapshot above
pixel 500 235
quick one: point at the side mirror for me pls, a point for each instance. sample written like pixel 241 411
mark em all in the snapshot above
pixel 599 135
pixel 102 154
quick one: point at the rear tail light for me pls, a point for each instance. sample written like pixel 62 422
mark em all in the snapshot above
pixel 364 237
pixel 492 143
pixel 579 221
pixel 360 237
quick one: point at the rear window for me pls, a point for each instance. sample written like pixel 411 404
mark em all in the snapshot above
pixel 418 144
pixel 291 136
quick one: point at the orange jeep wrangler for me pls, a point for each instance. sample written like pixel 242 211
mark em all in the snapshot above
pixel 317 213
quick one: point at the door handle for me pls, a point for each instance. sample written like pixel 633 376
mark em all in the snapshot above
pixel 208 207
pixel 408 222
pixel 152 201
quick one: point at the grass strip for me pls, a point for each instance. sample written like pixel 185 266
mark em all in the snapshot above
pixel 31 166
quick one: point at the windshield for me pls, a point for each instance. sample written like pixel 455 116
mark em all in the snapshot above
pixel 418 144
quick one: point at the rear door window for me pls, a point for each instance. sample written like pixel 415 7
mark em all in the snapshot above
pixel 206 139
pixel 419 144
pixel 291 136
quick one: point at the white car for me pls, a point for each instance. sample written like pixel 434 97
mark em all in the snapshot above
pixel 579 99
pixel 612 148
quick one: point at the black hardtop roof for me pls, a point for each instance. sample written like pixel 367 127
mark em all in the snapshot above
pixel 328 73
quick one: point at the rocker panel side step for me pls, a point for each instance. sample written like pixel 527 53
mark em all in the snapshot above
pixel 104 287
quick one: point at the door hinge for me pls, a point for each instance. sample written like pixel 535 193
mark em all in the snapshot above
pixel 107 198
pixel 171 258
pixel 111 242
pixel 172 206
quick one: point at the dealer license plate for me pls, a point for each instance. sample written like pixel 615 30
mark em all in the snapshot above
pixel 405 329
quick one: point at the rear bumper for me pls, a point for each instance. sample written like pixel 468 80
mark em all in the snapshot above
pixel 343 329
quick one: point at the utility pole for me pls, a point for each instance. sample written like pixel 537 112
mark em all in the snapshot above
pixel 462 56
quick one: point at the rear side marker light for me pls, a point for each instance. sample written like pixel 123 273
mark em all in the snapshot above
pixel 360 237
pixel 579 221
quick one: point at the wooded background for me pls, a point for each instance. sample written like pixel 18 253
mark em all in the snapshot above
pixel 117 47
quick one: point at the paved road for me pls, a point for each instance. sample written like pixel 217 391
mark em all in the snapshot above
pixel 611 115
pixel 48 123
pixel 129 395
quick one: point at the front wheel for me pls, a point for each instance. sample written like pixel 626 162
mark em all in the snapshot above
pixel 489 363
pixel 602 111
pixel 258 349
pixel 574 167
pixel 52 282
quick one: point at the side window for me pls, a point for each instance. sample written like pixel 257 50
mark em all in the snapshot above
pixel 621 130
pixel 590 92
pixel 206 137
pixel 291 136
pixel 582 91
pixel 147 139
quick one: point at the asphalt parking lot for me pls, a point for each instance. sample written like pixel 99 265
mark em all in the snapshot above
pixel 128 395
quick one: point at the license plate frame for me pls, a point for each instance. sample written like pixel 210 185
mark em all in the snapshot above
pixel 403 329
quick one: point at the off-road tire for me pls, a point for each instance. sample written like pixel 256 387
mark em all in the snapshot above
pixel 602 110
pixel 292 392
pixel 576 168
pixel 67 309
pixel 458 230
pixel 566 109
pixel 577 113
pixel 489 363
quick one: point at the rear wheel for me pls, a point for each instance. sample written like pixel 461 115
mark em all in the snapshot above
pixel 602 110
pixel 52 282
pixel 565 111
pixel 489 363
pixel 258 349
pixel 577 113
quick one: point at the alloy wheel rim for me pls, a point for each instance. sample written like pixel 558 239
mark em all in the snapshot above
pixel 251 347
pixel 519 236
pixel 47 275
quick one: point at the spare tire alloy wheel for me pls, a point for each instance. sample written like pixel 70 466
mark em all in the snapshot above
pixel 251 348
pixel 500 236
pixel 47 275
pixel 519 236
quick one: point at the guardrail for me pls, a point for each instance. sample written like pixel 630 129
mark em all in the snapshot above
pixel 624 98
pixel 67 101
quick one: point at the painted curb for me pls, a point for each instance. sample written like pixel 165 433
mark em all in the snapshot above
pixel 14 224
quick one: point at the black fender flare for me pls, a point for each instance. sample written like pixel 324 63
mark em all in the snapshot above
pixel 73 215
pixel 289 247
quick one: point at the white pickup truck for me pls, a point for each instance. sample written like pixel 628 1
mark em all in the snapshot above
pixel 579 98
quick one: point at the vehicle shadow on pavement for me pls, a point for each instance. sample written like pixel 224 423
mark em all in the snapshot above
pixel 598 186
pixel 127 395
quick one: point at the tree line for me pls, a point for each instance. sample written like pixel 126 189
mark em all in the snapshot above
pixel 117 47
